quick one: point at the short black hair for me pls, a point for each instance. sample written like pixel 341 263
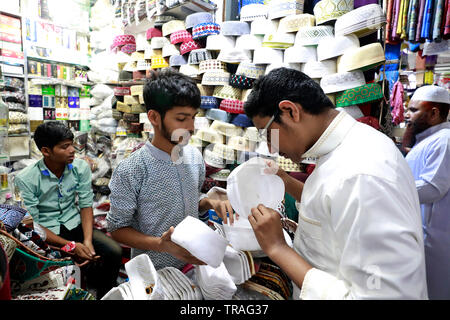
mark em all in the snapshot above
pixel 443 110
pixel 285 84
pixel 169 88
pixel 49 134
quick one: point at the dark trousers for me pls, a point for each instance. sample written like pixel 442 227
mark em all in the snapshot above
pixel 101 274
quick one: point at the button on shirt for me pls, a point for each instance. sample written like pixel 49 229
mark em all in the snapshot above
pixel 151 193
pixel 359 219
pixel 429 160
pixel 53 201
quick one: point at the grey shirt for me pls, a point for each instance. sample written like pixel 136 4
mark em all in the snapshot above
pixel 151 193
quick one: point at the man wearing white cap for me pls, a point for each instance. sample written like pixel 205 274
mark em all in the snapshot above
pixel 429 160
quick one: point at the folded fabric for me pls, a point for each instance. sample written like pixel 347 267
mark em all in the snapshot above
pixel 143 279
pixel 197 18
pixel 253 11
pixel 219 42
pixel 242 120
pixel 241 82
pixel 232 106
pixel 177 60
pixel 205 29
pixel 261 26
pixel 215 283
pixel 153 32
pixel 188 46
pixel 200 240
pixel 293 23
pixel 180 36
pixel 359 95
pixel 234 28
pixel 209 102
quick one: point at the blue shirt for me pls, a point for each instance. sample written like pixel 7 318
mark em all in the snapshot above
pixel 429 160
pixel 151 193
pixel 53 201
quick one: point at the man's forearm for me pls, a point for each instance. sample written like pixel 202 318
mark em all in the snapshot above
pixel 204 205
pixel 293 186
pixel 87 223
pixel 136 239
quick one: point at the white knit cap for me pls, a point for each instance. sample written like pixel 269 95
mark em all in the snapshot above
pixel 431 93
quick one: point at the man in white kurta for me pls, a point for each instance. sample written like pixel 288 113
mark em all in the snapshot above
pixel 359 232
pixel 429 160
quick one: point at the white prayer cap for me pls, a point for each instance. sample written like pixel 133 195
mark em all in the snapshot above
pixel 431 93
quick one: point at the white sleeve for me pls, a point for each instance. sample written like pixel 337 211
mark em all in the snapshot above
pixel 378 236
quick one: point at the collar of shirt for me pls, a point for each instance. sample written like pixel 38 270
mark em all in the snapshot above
pixel 428 132
pixel 332 136
pixel 158 153
pixel 46 172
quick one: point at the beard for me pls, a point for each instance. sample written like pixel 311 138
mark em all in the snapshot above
pixel 168 136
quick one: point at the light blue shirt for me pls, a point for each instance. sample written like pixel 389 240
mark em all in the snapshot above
pixel 429 160
pixel 151 193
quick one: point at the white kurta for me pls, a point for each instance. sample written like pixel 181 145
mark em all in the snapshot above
pixel 359 220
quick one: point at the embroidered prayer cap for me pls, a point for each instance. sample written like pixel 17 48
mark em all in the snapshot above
pixel 310 36
pixel 359 95
pixel 153 32
pixel 217 114
pixel 197 142
pixel 227 92
pixel 186 47
pixel 200 240
pixel 159 62
pixel 141 42
pixel 162 19
pixel 224 151
pixel 215 78
pixel 190 70
pixel 212 64
pixel 251 133
pixel 234 55
pixel 300 54
pixel 239 143
pixel 337 82
pixel 266 55
pixel 262 26
pixel 254 11
pixel 180 36
pixel 319 69
pixel 177 60
pixel 209 102
pixel 201 123
pixel 213 159
pixel 197 18
pixel 149 53
pixel 330 10
pixel 222 175
pixel 431 93
pixel 241 82
pixel 143 65
pixel 332 47
pixel 249 42
pixel 210 135
pixel 241 120
pixel 172 26
pixel 205 90
pixel 278 40
pixel 128 48
pixel 283 8
pixel 198 55
pixel 234 28
pixel 11 216
pixel 288 165
pixel 232 105
pixel 363 58
pixel 170 50
pixel 136 56
pixel 159 42
pixel 250 70
pixel 226 129
pixel 122 40
pixel 295 66
pixel 293 23
pixel 203 30
pixel 361 22
pixel 219 42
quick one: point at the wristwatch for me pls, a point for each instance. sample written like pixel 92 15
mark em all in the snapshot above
pixel 69 247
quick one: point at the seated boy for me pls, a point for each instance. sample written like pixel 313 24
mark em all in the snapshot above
pixel 57 193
